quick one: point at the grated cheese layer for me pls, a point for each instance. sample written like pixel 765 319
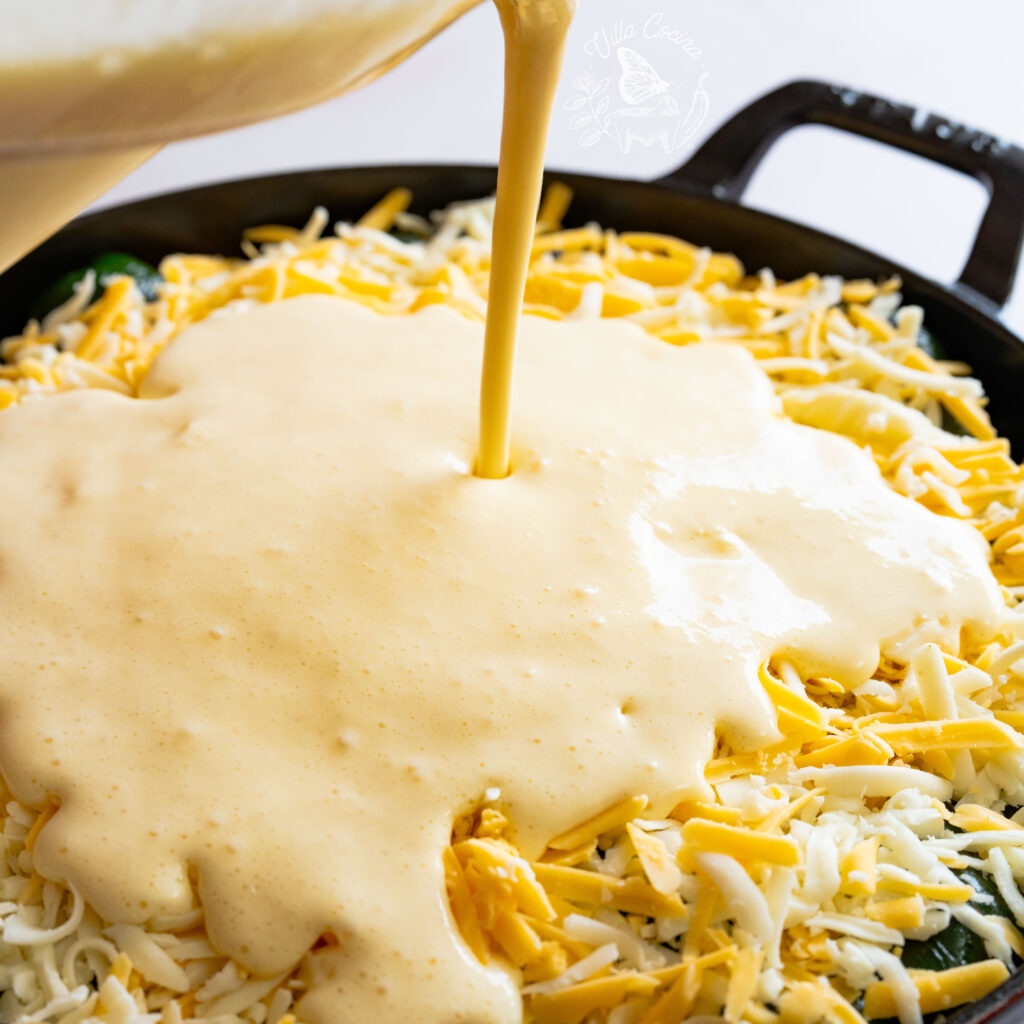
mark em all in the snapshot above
pixel 791 896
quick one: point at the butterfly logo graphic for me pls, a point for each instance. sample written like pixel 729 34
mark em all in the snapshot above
pixel 639 81
pixel 650 114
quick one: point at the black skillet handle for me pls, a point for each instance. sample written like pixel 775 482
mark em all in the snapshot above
pixel 725 163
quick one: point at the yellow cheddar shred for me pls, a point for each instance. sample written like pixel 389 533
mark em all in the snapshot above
pixel 862 317
pixel 798 714
pixel 460 899
pixel 744 844
pixel 610 818
pixel 520 943
pixel 975 818
pixel 660 868
pixel 509 871
pixel 382 216
pixel 938 990
pixel 570 858
pixel 571 1005
pixel 121 968
pixel 678 999
pixel 859 867
pixel 946 893
pixel 852 750
pixel 554 206
pixel 550 962
pixel 899 914
pixel 743 983
pixel 777 818
pixel 713 812
pixel 957 734
pixel 37 826
pixel 631 895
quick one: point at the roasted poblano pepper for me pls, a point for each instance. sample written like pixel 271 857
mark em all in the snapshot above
pixel 106 266
pixel 956 944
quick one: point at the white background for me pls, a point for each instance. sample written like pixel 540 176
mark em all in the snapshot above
pixel 960 58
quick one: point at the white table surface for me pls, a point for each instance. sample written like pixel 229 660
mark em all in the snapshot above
pixel 443 104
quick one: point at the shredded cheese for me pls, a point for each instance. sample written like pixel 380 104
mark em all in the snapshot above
pixel 787 890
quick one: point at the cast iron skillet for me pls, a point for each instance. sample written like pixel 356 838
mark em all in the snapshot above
pixel 699 202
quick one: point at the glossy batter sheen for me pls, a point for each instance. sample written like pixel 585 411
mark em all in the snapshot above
pixel 265 622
